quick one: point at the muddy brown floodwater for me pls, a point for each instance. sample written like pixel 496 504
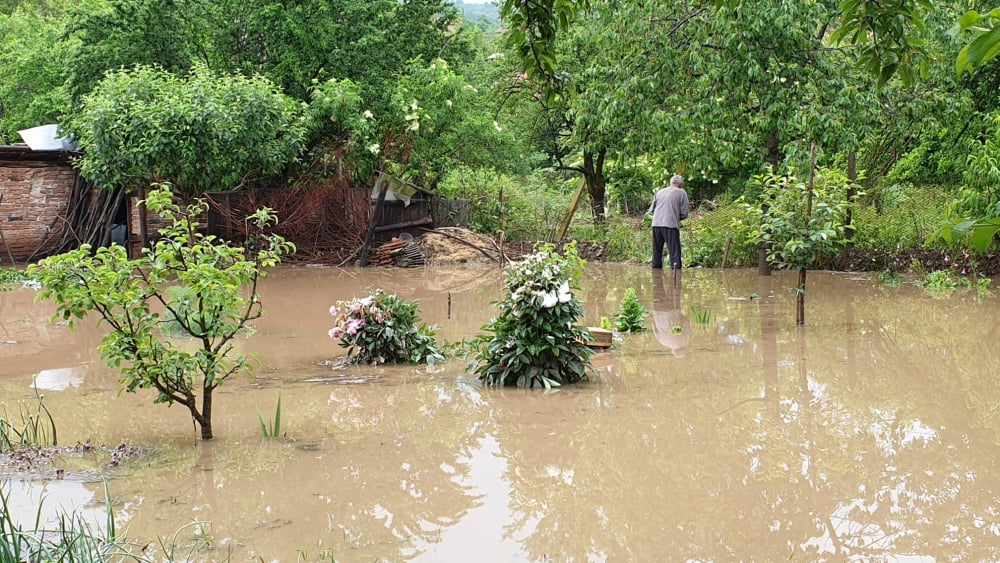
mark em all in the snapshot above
pixel 871 434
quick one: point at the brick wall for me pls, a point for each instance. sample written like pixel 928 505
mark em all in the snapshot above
pixel 35 197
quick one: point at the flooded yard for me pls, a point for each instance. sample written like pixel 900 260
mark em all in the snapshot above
pixel 723 433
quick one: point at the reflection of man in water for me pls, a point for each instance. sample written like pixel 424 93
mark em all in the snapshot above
pixel 670 325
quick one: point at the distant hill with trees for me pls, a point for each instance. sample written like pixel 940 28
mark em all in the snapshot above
pixel 475 12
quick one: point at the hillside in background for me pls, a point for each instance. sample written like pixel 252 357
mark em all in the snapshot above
pixel 473 12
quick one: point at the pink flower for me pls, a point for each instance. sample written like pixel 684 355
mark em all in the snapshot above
pixel 333 310
pixel 353 326
pixel 335 333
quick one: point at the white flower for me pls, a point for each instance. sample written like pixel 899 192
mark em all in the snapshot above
pixel 374 149
pixel 448 103
pixel 415 126
pixel 564 293
pixel 368 114
pixel 497 126
pixel 549 300
pixel 414 106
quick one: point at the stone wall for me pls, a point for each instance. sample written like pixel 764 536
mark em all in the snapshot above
pixel 35 188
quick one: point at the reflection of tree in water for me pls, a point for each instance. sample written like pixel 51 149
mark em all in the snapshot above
pixel 836 466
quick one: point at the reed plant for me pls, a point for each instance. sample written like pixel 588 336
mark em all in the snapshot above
pixel 271 428
pixel 702 316
pixel 31 426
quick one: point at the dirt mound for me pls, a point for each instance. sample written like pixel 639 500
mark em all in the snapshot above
pixel 451 245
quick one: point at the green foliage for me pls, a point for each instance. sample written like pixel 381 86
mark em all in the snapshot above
pixel 888 277
pixel 536 341
pixel 985 43
pixel 382 329
pixel 32 428
pixel 625 240
pixel 606 324
pixel 200 132
pixel 199 280
pixel 272 428
pixel 801 230
pixel 72 539
pixel 708 232
pixel 529 206
pixel 9 276
pixel 897 216
pixel 702 316
pixel 631 315
pixel 35 63
pixel 889 36
pixel 940 282
pixel 443 116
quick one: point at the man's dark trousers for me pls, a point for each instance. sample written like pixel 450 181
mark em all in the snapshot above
pixel 672 238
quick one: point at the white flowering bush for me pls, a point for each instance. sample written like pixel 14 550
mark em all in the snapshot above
pixel 536 341
pixel 382 329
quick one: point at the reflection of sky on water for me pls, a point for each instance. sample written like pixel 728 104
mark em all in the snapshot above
pixel 60 379
pixel 465 540
pixel 55 498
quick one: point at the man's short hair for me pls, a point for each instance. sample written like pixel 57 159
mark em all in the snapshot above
pixel 677 179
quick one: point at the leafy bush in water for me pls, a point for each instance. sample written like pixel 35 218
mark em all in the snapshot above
pixel 10 277
pixel 535 341
pixel 206 285
pixel 381 329
pixel 631 314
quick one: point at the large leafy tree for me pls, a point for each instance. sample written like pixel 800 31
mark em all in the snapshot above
pixel 35 65
pixel 199 132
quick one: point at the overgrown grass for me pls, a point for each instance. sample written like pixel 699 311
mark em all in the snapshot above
pixel 74 539
pixel 11 277
pixel 71 539
pixel 31 426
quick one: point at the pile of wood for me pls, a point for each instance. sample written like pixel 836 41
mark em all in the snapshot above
pixel 397 252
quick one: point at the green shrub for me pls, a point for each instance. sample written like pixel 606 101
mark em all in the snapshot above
pixel 535 341
pixel 531 206
pixel 382 329
pixel 899 216
pixel 631 315
pixel 626 240
pixel 708 232
pixel 13 277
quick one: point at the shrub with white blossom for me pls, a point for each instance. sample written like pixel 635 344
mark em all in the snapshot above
pixel 382 329
pixel 536 341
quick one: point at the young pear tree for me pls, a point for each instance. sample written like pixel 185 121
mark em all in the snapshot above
pixel 189 283
pixel 802 224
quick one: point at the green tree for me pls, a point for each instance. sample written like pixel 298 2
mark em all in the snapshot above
pixel 803 223
pixel 442 115
pixel 197 132
pixel 35 63
pixel 191 282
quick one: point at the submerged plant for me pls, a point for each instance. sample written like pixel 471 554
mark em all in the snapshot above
pixel 701 316
pixel 631 314
pixel 382 329
pixel 272 428
pixel 32 427
pixel 209 287
pixel 536 341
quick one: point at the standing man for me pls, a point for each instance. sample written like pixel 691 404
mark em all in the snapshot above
pixel 670 206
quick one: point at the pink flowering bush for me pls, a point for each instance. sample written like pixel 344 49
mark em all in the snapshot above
pixel 382 329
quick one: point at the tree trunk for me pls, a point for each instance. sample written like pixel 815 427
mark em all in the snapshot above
pixel 772 159
pixel 800 299
pixel 593 172
pixel 206 414
pixel 852 177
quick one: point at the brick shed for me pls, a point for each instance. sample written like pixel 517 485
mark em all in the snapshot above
pixel 47 208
